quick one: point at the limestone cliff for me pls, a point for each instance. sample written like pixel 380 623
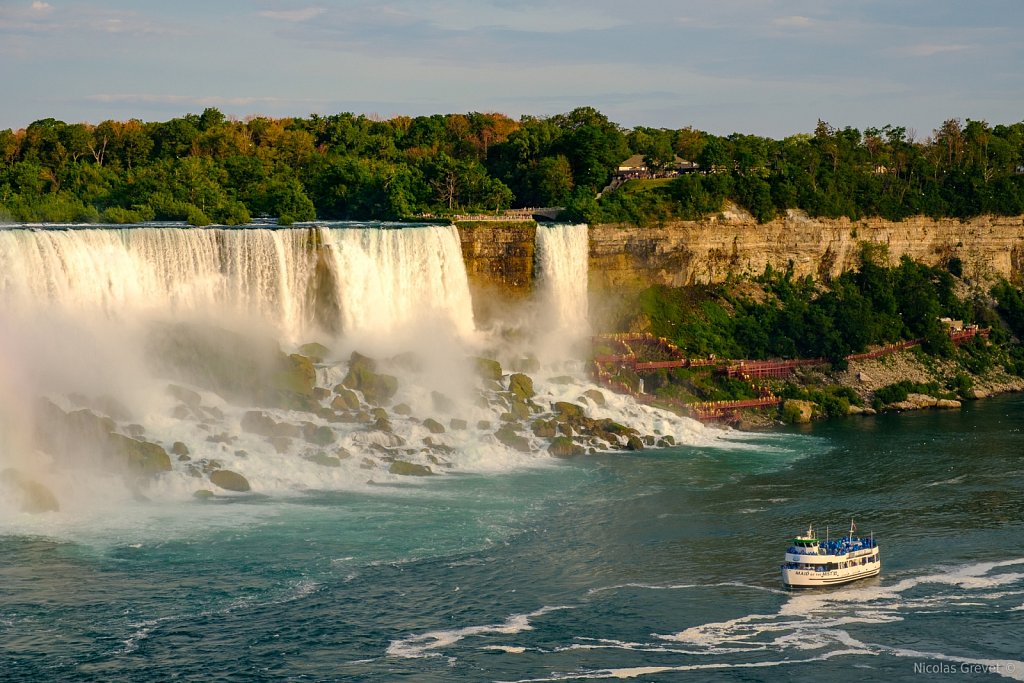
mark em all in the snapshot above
pixel 499 262
pixel 689 252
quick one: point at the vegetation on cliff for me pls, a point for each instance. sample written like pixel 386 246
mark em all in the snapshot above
pixel 206 168
pixel 778 316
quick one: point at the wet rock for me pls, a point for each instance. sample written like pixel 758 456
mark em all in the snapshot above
pixel 316 352
pixel 521 386
pixel 545 429
pixel 565 409
pixel 562 379
pixel 223 437
pixel 323 459
pixel 434 426
pixel 376 388
pixel 229 481
pixel 181 412
pixel 596 396
pixel 203 494
pixel 458 424
pixel 141 456
pixel 320 435
pixel 483 424
pixel 519 409
pixel 633 443
pixel 243 368
pixel 184 458
pixel 321 393
pixel 648 440
pixel 402 409
pixel 799 412
pixel 409 469
pixel 487 368
pixel 564 447
pixel 296 375
pixel 507 435
pixel 346 399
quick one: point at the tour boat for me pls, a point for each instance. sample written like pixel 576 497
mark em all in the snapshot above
pixel 811 562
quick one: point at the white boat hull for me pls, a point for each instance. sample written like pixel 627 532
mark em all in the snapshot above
pixel 811 578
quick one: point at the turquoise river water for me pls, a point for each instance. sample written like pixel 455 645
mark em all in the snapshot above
pixel 660 566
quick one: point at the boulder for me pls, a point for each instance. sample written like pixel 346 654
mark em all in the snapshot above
pixel 203 494
pixel 487 368
pixel 519 409
pixel 229 481
pixel 346 399
pixel 402 409
pixel 521 386
pixel 295 375
pixel 564 447
pixel 545 429
pixel 315 351
pixel 596 396
pixel 409 469
pixel 376 388
pixel 142 456
pixel 242 368
pixel 507 435
pixel 434 426
pixel 634 443
pixel 322 459
pixel 796 411
pixel 320 435
pixel 458 424
pixel 565 409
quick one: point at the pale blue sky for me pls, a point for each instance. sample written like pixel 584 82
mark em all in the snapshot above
pixel 769 67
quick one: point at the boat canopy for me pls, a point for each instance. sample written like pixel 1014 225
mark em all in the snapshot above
pixel 805 542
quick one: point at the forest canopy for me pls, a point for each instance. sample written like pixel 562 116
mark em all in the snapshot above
pixel 207 168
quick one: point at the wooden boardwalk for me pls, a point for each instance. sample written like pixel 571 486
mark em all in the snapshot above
pixel 630 348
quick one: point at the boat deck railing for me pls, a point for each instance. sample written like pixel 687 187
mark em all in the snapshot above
pixel 840 546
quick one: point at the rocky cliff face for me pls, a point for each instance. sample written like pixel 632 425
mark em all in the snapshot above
pixel 689 252
pixel 499 262
pixel 500 256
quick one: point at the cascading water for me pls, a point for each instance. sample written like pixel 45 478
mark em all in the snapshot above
pixel 265 274
pixel 170 340
pixel 392 279
pixel 562 255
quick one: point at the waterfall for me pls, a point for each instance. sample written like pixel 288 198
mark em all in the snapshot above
pixel 120 272
pixel 384 279
pixel 389 279
pixel 562 256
